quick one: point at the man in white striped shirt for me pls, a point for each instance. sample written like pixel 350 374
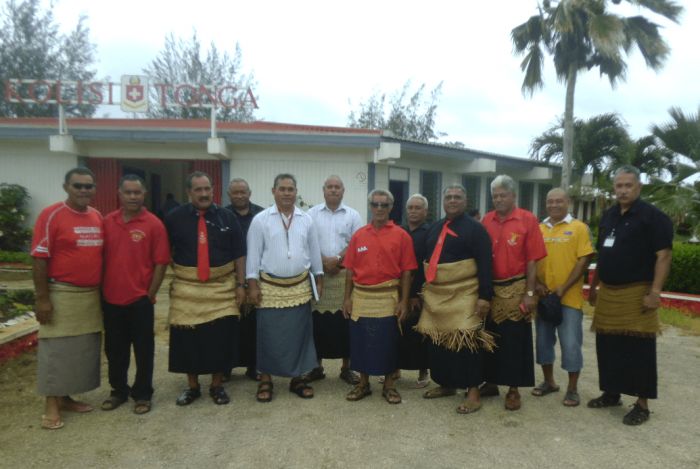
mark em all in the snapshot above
pixel 335 223
pixel 282 250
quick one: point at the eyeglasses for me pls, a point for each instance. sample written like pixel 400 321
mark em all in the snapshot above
pixel 80 186
pixel 380 204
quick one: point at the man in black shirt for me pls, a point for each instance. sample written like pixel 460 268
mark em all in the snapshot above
pixel 634 258
pixel 205 295
pixel 457 296
pixel 244 210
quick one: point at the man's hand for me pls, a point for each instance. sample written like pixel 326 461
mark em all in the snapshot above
pixel 651 300
pixel 401 310
pixel 319 286
pixel 331 264
pixel 482 308
pixel 43 310
pixel 415 305
pixel 592 295
pixel 559 291
pixel 347 308
pixel 530 306
pixel 541 289
pixel 254 294
pixel 240 296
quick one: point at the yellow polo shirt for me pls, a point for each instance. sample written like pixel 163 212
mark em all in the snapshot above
pixel 566 242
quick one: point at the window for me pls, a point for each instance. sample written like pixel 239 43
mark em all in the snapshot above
pixel 430 188
pixel 489 200
pixel 542 207
pixel 473 186
pixel 526 197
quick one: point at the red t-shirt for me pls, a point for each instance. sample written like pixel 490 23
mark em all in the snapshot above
pixel 376 256
pixel 515 241
pixel 132 249
pixel 71 241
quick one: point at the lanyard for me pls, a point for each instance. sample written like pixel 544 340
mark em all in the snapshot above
pixel 286 231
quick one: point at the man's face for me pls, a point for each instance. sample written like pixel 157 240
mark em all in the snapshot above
pixel 333 191
pixel 416 212
pixel 285 193
pixel 132 195
pixel 201 193
pixel 454 202
pixel 380 206
pixel 557 205
pixel 239 193
pixel 627 188
pixel 81 189
pixel 503 200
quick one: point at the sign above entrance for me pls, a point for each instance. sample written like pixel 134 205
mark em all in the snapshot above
pixel 135 94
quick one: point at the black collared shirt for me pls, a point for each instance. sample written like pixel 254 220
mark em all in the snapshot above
pixel 225 237
pixel 472 242
pixel 418 237
pixel 639 234
pixel 244 220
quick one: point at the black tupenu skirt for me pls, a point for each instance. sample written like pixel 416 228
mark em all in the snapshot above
pixel 211 347
pixel 462 370
pixel 331 335
pixel 247 348
pixel 413 346
pixel 374 345
pixel 512 362
pixel 627 365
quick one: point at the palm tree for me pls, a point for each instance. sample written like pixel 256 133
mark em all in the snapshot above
pixel 682 137
pixel 583 34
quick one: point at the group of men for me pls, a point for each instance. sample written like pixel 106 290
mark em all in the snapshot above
pixel 278 290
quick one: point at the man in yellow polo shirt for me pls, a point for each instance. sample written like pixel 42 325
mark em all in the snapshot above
pixel 569 250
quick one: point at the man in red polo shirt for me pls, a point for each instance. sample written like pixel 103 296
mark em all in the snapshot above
pixel 379 261
pixel 517 245
pixel 67 252
pixel 136 254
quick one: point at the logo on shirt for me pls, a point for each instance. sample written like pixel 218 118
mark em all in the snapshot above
pixel 513 241
pixel 362 249
pixel 137 235
pixel 202 238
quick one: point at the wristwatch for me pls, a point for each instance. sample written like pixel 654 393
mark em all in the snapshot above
pixel 244 285
pixel 530 293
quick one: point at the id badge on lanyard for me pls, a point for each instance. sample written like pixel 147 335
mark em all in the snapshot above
pixel 610 240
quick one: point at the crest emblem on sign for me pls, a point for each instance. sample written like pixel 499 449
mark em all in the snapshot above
pixel 134 97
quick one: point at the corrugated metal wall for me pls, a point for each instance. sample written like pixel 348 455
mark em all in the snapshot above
pixel 107 173
pixel 213 169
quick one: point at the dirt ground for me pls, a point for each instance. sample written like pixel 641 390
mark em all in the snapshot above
pixel 329 432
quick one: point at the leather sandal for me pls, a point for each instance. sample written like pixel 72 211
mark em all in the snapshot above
pixel 544 388
pixel 360 391
pixel 513 400
pixel 637 416
pixel 188 396
pixel 391 395
pixel 468 407
pixel 264 387
pixel 298 386
pixel 218 395
pixel 605 400
pixel 112 402
pixel 142 407
pixel 439 392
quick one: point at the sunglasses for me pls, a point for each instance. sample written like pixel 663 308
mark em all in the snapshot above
pixel 380 204
pixel 80 186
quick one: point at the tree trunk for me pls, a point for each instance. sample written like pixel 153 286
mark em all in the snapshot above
pixel 568 129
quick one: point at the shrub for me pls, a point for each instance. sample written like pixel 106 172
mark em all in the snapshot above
pixel 13 212
pixel 685 269
pixel 15 257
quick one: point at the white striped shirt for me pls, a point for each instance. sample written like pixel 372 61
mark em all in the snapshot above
pixel 270 250
pixel 335 228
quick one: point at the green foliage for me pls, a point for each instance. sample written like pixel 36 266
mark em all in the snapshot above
pixel 685 269
pixel 182 61
pixel 16 302
pixel 32 47
pixel 410 117
pixel 15 257
pixel 13 212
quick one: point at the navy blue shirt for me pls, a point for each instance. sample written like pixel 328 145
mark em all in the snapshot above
pixel 225 237
pixel 246 219
pixel 418 237
pixel 639 234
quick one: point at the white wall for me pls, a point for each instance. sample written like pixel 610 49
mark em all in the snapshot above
pixel 33 166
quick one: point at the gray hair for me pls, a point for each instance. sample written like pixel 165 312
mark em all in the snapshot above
pixel 558 190
pixel 420 197
pixel 627 169
pixel 504 181
pixel 381 192
pixel 454 186
pixel 238 180
pixel 334 176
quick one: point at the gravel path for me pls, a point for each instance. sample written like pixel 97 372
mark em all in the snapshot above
pixel 328 431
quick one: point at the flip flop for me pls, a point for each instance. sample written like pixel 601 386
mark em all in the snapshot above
pixel 51 424
pixel 71 405
pixel 544 388
pixel 468 407
pixel 439 392
pixel 571 399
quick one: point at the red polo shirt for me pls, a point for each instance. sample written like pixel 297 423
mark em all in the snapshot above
pixel 376 256
pixel 71 242
pixel 515 241
pixel 132 250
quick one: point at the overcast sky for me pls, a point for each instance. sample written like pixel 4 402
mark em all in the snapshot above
pixel 314 61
